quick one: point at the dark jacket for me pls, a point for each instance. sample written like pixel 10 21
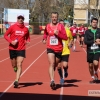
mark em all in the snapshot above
pixel 90 38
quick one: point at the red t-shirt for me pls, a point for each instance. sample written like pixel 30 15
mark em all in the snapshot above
pixel 81 30
pixel 54 42
pixel 19 32
pixel 74 31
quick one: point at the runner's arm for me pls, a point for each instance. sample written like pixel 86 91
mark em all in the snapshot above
pixel 86 41
pixel 70 37
pixel 45 34
pixel 8 32
pixel 62 34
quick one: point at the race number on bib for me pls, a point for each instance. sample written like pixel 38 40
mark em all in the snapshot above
pixel 94 46
pixel 53 40
pixel 74 31
pixel 82 30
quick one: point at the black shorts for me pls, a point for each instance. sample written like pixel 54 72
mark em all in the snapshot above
pixel 81 35
pixel 16 53
pixel 91 57
pixel 65 58
pixel 57 54
pixel 75 37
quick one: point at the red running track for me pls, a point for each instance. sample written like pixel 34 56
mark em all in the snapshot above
pixel 34 82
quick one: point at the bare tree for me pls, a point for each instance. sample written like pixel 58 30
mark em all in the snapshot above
pixel 45 7
pixel 66 8
pixel 40 9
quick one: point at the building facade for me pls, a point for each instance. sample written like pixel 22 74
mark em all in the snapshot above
pixel 84 10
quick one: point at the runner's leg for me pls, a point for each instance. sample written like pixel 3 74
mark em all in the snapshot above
pixel 74 44
pixel 13 56
pixel 14 64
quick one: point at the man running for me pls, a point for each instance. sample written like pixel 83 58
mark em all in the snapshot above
pixel 65 54
pixel 17 35
pixel 53 34
pixel 92 40
pixel 81 32
pixel 74 31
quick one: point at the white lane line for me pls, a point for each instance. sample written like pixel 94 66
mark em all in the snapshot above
pixel 7 47
pixel 4 59
pixel 22 74
pixel 61 93
pixel 2 37
pixel 3 49
pixel 62 89
pixel 26 49
pixel 33 45
pixel 30 39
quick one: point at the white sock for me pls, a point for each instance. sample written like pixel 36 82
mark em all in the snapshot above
pixel 95 72
pixel 52 80
pixel 93 77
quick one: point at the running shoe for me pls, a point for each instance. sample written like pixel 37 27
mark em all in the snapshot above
pixel 92 80
pixel 53 85
pixel 96 76
pixel 16 84
pixel 81 45
pixel 62 81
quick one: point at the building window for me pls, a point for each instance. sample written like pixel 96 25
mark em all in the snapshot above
pixel 94 2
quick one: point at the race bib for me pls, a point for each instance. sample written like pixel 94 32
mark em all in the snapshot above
pixel 82 30
pixel 74 31
pixel 53 40
pixel 94 46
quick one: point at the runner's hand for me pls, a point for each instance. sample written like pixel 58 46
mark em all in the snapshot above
pixel 97 41
pixel 44 41
pixel 56 32
pixel 13 43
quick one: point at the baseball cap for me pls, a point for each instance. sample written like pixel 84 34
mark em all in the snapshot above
pixel 20 15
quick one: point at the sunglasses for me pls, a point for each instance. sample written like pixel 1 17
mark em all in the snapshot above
pixel 21 18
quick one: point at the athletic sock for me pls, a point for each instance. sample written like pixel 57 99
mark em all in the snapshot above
pixel 60 72
pixel 92 77
pixel 52 80
pixel 65 69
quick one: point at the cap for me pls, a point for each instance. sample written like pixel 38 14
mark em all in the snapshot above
pixel 22 15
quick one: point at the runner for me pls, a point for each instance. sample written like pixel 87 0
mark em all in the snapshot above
pixel 65 54
pixel 17 35
pixel 92 40
pixel 74 31
pixel 53 34
pixel 81 31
